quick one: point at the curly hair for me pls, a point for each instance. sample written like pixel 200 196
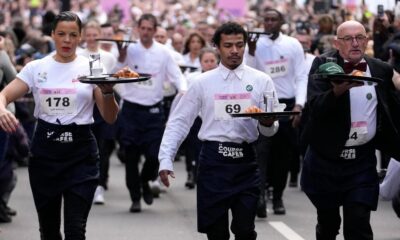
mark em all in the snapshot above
pixel 228 29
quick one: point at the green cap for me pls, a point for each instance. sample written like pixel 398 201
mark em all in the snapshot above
pixel 330 68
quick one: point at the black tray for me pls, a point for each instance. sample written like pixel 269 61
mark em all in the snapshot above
pixel 346 78
pixel 109 78
pixel 266 114
pixel 261 33
pixel 184 67
pixel 115 40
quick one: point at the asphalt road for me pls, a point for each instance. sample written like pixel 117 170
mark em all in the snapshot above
pixel 173 215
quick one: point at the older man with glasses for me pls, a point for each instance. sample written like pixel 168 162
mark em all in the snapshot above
pixel 347 122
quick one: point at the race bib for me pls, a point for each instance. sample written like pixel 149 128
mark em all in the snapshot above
pixel 225 104
pixel 358 134
pixel 58 101
pixel 277 68
pixel 149 84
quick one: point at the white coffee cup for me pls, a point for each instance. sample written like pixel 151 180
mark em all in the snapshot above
pixel 279 107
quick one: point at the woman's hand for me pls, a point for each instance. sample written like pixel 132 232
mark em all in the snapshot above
pixel 8 121
pixel 106 88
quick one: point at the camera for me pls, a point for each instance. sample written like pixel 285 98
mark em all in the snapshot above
pixel 380 11
pixel 302 27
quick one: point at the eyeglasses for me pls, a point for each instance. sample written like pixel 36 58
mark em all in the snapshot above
pixel 349 39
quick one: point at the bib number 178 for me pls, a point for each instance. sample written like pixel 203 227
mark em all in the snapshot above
pixel 58 101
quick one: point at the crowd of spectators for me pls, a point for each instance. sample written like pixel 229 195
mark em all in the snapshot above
pixel 27 22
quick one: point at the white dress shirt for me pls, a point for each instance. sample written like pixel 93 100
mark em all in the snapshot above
pixel 282 60
pixel 363 112
pixel 157 61
pixel 214 94
pixel 188 61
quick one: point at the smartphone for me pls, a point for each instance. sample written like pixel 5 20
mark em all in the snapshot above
pixel 380 11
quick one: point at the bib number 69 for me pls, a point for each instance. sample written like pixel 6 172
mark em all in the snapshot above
pixel 232 108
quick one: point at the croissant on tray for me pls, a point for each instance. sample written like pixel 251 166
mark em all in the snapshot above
pixel 126 73
pixel 253 109
pixel 357 73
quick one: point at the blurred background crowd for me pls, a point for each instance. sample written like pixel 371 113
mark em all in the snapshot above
pixel 26 23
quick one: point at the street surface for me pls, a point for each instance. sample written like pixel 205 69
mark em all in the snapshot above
pixel 173 215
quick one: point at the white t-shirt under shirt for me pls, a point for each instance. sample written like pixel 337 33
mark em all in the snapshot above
pixel 59 96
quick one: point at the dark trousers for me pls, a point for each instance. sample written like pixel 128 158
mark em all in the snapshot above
pixel 8 178
pixel 356 223
pixel 193 147
pixel 276 153
pixel 294 167
pixel 76 211
pixel 282 152
pixel 106 147
pixel 242 224
pixel 167 102
pixel 134 179
pixel 263 152
pixel 3 145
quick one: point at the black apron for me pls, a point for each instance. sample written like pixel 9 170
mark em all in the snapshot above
pixel 349 178
pixel 225 170
pixel 63 157
pixel 141 124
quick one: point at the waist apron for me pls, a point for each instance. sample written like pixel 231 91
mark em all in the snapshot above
pixel 350 178
pixel 225 170
pixel 141 124
pixel 63 157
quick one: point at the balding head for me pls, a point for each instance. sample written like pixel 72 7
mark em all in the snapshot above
pixel 351 41
pixel 177 42
pixel 350 25
pixel 161 35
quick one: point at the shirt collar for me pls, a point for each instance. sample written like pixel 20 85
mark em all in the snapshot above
pixel 278 39
pixel 142 46
pixel 226 72
pixel 362 60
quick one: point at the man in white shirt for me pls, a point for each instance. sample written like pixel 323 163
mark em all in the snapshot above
pixel 161 36
pixel 107 32
pixel 142 114
pixel 177 42
pixel 170 91
pixel 228 176
pixel 279 56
